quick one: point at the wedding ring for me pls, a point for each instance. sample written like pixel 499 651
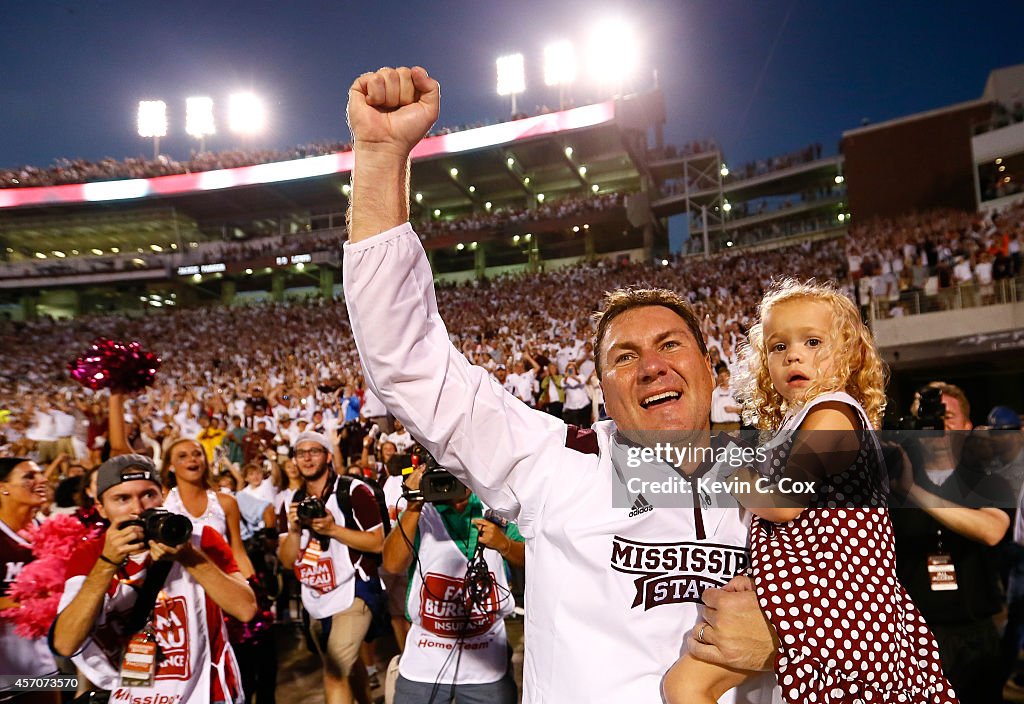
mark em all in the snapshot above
pixel 700 634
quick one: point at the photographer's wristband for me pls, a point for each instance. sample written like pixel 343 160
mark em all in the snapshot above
pixel 109 561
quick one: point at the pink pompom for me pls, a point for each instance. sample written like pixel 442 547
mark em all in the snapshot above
pixel 38 587
pixel 57 537
pixel 119 366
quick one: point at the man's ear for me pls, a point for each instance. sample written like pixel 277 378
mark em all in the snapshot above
pixel 100 510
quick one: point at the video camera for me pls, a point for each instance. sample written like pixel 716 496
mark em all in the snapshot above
pixel 161 526
pixel 437 483
pixel 931 413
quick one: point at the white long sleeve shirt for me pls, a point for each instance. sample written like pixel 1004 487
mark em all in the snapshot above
pixel 612 590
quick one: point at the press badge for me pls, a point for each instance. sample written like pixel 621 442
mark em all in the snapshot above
pixel 942 572
pixel 138 668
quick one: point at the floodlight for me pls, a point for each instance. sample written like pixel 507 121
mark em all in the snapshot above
pixel 453 171
pixel 559 64
pixel 511 77
pixel 568 152
pixel 153 122
pixel 419 197
pixel 152 118
pixel 724 170
pixel 97 252
pixel 437 213
pixel 614 52
pixel 839 179
pixel 511 74
pixel 59 254
pixel 246 114
pixel 460 247
pixel 199 117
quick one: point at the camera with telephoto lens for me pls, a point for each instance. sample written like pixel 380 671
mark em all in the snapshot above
pixel 309 509
pixel 161 526
pixel 436 485
pixel 931 412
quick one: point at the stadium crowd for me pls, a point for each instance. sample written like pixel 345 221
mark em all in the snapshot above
pixel 245 382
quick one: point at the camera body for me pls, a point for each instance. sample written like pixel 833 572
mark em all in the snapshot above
pixel 309 509
pixel 436 485
pixel 161 526
pixel 931 413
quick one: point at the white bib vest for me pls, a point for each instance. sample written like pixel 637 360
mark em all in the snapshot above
pixel 439 614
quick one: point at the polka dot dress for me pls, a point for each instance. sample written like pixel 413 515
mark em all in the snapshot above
pixel 849 632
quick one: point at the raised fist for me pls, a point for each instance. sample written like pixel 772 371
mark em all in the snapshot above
pixel 391 110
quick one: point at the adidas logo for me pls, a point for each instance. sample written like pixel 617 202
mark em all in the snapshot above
pixel 640 506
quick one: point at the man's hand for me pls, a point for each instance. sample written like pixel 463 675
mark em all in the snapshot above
pixel 492 536
pixel 324 526
pixel 122 542
pixel 737 634
pixel 390 110
pixel 184 553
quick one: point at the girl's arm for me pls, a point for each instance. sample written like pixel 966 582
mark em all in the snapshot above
pixel 234 536
pixel 693 681
pixel 826 443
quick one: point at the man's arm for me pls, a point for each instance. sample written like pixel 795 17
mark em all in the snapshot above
pixel 397 555
pixel 76 620
pixel 983 525
pixel 229 591
pixel 389 112
pixel 485 437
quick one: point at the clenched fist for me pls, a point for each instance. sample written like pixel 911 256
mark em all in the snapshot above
pixel 390 110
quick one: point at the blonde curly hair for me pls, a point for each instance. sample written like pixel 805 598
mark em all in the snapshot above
pixel 858 368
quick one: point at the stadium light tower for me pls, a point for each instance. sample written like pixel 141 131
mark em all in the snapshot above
pixel 613 53
pixel 246 114
pixel 152 119
pixel 559 67
pixel 511 77
pixel 199 119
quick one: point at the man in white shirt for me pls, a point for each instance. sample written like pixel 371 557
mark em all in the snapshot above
pixel 609 607
pixel 725 410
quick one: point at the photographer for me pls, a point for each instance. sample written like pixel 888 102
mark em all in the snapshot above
pixel 439 541
pixel 945 550
pixel 148 585
pixel 334 531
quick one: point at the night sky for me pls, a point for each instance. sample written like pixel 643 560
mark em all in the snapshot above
pixel 761 76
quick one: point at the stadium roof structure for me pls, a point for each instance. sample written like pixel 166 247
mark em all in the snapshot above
pixel 458 173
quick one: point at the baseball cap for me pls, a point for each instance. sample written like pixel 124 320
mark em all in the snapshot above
pixel 125 468
pixel 1003 418
pixel 318 438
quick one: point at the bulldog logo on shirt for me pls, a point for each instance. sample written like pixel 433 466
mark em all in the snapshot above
pixel 672 573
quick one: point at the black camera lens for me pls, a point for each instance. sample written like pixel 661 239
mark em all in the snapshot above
pixel 161 526
pixel 309 509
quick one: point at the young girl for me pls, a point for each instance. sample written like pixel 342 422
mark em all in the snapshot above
pixel 823 561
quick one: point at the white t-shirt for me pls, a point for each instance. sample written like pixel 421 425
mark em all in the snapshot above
pixel 610 602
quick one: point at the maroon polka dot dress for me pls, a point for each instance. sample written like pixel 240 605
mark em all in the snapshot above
pixel 826 580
